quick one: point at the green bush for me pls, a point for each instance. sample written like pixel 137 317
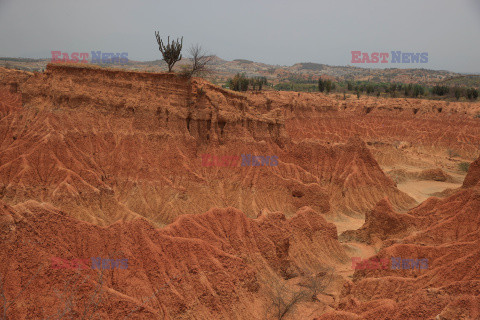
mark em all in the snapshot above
pixel 257 82
pixel 458 93
pixel 287 86
pixel 327 85
pixel 239 82
pixel 440 90
pixel 464 166
pixel 472 94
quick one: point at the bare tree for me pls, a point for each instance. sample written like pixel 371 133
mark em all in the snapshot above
pixel 284 299
pixel 8 303
pixel 170 52
pixel 200 61
pixel 69 301
pixel 317 283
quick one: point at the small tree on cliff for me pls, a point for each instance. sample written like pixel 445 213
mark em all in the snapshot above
pixel 200 61
pixel 170 52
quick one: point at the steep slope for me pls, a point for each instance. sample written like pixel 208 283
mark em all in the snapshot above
pixel 93 161
pixel 444 231
pixel 211 265
pixel 473 176
pixel 129 144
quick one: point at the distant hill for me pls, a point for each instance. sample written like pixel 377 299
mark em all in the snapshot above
pixel 223 69
pixel 463 81
pixel 243 61
pixel 21 59
pixel 311 66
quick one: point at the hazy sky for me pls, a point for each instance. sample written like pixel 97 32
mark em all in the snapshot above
pixel 271 31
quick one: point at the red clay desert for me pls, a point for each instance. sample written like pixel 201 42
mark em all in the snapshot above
pixel 182 185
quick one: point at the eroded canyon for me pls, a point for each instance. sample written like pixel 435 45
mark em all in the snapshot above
pixel 95 161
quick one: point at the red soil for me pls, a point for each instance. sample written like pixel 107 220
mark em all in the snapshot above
pixel 94 162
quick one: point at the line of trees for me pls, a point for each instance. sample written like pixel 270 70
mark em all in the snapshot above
pixel 325 85
pixel 395 89
pixel 414 90
pixel 240 82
